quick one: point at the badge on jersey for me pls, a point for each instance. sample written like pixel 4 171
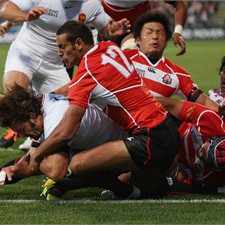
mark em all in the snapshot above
pixel 167 79
pixel 82 17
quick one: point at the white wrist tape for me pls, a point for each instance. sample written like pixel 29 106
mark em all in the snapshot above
pixel 178 29
pixel 2 177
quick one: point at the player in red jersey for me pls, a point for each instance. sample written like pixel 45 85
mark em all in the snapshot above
pixel 106 75
pixel 133 9
pixel 200 162
pixel 162 76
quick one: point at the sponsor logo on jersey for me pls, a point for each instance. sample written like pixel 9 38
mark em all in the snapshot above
pixel 167 79
pixel 130 138
pixel 82 17
pixel 152 70
pixel 53 13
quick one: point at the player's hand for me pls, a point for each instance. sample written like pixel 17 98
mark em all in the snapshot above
pixel 32 158
pixel 7 173
pixel 4 28
pixel 179 41
pixel 117 28
pixel 35 13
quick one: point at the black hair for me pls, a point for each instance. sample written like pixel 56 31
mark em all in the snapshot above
pixel 76 30
pixel 19 105
pixel 222 64
pixel 156 16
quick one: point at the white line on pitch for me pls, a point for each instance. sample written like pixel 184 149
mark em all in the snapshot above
pixel 88 201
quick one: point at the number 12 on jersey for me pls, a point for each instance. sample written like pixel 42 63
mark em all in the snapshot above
pixel 109 58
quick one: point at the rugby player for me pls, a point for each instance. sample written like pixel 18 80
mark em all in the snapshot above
pixel 131 10
pixel 36 116
pixel 107 76
pixel 162 76
pixel 200 163
pixel 32 58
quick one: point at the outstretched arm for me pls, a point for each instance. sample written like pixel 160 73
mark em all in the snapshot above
pixel 11 12
pixel 173 106
pixel 180 19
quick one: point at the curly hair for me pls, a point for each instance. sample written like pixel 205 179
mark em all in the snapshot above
pixel 18 106
pixel 153 16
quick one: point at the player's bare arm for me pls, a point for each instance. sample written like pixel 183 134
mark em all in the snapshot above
pixel 115 29
pixel 205 100
pixel 180 18
pixel 11 12
pixel 62 90
pixel 62 133
pixel 172 105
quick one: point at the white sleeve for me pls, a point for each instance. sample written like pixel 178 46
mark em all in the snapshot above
pixel 99 17
pixel 54 110
pixel 25 5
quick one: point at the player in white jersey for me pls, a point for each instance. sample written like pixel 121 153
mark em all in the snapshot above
pixel 34 52
pixel 218 94
pixel 32 58
pixel 38 116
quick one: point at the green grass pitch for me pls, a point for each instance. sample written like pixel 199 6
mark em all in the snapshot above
pixel 21 204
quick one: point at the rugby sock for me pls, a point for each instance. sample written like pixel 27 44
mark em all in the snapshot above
pixel 102 180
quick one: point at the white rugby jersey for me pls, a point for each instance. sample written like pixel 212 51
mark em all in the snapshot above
pixel 95 127
pixel 217 96
pixel 39 36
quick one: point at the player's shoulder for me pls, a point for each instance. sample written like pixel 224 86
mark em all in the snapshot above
pixel 131 53
pixel 176 68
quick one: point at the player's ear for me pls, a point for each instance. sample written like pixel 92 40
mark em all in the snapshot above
pixel 79 44
pixel 137 41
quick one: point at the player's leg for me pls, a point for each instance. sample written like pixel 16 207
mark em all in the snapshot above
pixel 150 150
pixel 108 156
pixel 104 180
pixel 55 166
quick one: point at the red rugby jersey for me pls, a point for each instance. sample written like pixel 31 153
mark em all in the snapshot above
pixel 106 74
pixel 163 78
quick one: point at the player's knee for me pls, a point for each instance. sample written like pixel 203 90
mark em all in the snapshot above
pixel 55 167
pixel 57 173
pixel 77 164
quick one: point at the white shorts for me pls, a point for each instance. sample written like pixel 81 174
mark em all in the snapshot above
pixel 44 76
